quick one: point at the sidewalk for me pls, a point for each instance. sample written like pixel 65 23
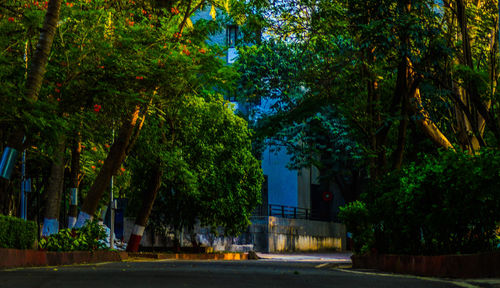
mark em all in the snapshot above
pixel 340 258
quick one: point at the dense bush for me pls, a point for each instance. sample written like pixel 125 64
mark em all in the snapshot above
pixel 448 203
pixel 89 237
pixel 357 220
pixel 17 233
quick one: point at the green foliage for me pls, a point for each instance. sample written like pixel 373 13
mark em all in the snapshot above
pixel 17 233
pixel 88 238
pixel 210 175
pixel 218 149
pixel 447 203
pixel 347 54
pixel 321 140
pixel 356 217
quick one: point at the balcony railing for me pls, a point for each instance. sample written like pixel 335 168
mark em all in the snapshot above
pixel 289 212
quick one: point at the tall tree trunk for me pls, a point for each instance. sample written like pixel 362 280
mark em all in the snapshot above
pixel 111 165
pixel 400 148
pixel 34 82
pixel 74 181
pixel 483 109
pixel 40 58
pixel 147 205
pixel 400 99
pixel 423 119
pixel 410 81
pixel 54 191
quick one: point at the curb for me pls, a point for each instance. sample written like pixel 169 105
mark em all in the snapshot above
pixel 191 256
pixel 12 258
pixel 484 265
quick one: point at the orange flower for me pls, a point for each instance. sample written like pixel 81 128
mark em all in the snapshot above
pixel 122 169
pixel 174 10
pixel 93 167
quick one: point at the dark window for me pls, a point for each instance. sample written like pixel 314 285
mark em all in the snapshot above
pixel 232 35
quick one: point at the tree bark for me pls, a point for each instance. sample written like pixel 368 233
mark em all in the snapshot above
pixel 54 191
pixel 400 148
pixel 423 119
pixel 400 99
pixel 411 94
pixel 43 47
pixel 147 205
pixel 110 167
pixel 483 110
pixel 35 77
pixel 75 181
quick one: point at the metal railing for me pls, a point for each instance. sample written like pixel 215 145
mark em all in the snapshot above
pixel 292 212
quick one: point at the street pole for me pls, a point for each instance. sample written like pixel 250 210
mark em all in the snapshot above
pixel 111 217
pixel 24 205
pixel 111 210
pixel 23 184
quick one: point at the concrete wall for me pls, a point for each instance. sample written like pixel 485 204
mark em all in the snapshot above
pixel 204 237
pixel 266 234
pixel 219 38
pixel 273 234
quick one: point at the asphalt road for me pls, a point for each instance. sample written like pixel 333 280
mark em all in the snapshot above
pixel 220 274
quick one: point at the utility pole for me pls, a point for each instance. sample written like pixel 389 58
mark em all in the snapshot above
pixel 111 217
pixel 112 209
pixel 23 184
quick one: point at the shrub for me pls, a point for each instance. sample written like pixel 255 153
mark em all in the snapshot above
pixel 17 233
pixel 448 203
pixel 357 221
pixel 88 238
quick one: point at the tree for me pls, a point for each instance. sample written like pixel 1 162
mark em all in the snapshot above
pixel 389 67
pixel 209 177
pixel 35 74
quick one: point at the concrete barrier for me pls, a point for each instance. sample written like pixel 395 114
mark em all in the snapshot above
pixel 21 258
pixel 192 256
pixel 28 258
pixel 265 234
pixel 274 234
pixel 11 258
pixel 483 265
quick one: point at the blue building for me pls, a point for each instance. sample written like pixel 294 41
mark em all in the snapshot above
pixel 292 200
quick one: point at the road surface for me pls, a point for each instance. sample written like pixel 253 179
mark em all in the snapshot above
pixel 221 274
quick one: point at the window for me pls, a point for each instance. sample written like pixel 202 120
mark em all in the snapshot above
pixel 232 35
